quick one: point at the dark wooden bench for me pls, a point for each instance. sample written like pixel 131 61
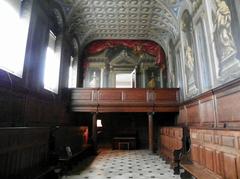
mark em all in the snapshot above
pixel 70 147
pixel 24 153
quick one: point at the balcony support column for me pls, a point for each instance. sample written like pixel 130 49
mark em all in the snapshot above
pixel 94 131
pixel 150 132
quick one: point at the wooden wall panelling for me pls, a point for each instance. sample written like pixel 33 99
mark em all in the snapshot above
pixel 209 154
pixel 218 107
pixel 207 111
pixel 22 149
pixel 111 96
pixel 202 155
pixel 124 100
pixel 230 145
pixel 238 166
pixel 84 100
pixel 182 118
pixel 193 115
pixel 166 97
pixel 219 163
pixel 12 108
pixel 227 100
pixel 230 167
pixel 195 143
pixel 136 96
pixel 220 149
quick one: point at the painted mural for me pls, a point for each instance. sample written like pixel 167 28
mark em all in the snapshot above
pixel 223 37
pixel 107 59
pixel 210 45
pixel 189 54
pixel 226 38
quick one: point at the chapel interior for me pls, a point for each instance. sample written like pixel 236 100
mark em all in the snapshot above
pixel 119 89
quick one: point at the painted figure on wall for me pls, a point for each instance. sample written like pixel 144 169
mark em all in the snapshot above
pixel 223 37
pixel 190 67
pixel 189 60
pixel 171 65
pixel 189 54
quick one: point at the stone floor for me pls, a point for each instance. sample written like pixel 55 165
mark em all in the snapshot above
pixel 123 164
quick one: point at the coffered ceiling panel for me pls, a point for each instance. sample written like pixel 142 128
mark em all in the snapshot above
pixel 122 19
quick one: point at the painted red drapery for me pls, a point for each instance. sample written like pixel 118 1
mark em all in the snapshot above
pixel 139 46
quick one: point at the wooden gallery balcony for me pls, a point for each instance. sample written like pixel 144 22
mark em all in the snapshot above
pixel 124 100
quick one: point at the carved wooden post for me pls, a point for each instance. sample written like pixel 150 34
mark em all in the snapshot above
pixel 94 130
pixel 150 132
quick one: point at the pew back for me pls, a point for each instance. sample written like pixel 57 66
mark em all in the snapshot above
pixel 170 140
pixel 72 137
pixel 217 150
pixel 22 149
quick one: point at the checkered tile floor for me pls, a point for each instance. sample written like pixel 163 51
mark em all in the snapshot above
pixel 123 164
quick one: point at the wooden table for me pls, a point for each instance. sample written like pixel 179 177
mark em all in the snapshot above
pixel 130 142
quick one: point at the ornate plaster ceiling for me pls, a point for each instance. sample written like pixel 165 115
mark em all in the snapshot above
pixel 122 19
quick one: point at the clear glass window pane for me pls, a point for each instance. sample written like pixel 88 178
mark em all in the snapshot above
pixel 13 42
pixel 52 66
pixel 72 80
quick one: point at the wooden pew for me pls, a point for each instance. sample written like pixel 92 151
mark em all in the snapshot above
pixel 70 146
pixel 24 152
pixel 214 153
pixel 170 140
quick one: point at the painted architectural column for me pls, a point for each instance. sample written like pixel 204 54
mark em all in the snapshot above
pixel 150 132
pixel 102 77
pixel 161 78
pixel 143 71
pixel 111 78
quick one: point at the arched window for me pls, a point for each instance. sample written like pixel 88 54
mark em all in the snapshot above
pixel 53 54
pixel 52 65
pixel 13 37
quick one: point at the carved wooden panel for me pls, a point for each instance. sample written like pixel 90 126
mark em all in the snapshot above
pixel 209 154
pixel 230 167
pixel 12 107
pixel 182 119
pixel 162 96
pixel 219 163
pixel 84 100
pixel 22 149
pixel 170 140
pixel 228 105
pixel 202 155
pixel 125 100
pixel 135 96
pixel 207 110
pixel 218 107
pixel 195 152
pixel 217 150
pixel 193 113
